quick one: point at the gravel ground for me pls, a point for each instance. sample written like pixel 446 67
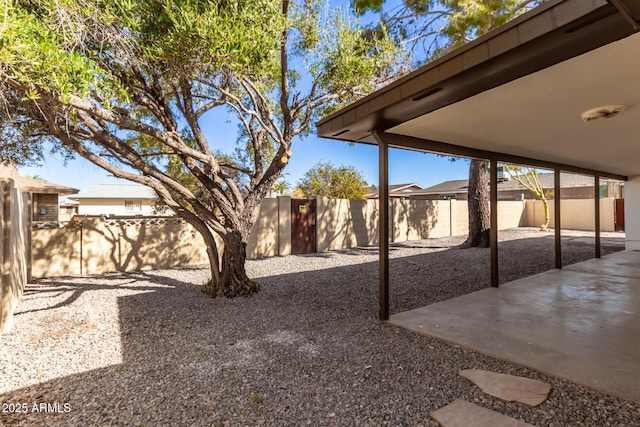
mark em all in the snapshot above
pixel 147 348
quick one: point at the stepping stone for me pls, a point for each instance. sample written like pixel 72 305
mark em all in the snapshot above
pixel 461 413
pixel 508 387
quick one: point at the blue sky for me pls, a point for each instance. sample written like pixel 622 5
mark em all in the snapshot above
pixel 404 166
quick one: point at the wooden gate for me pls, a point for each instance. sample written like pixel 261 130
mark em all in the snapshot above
pixel 303 226
pixel 619 215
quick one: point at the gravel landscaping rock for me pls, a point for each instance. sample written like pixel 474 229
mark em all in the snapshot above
pixel 148 348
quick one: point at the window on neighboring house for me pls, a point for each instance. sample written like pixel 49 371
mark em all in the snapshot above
pixel 132 206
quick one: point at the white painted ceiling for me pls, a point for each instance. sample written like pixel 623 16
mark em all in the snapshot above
pixel 539 116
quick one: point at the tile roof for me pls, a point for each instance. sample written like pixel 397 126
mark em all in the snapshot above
pixel 567 180
pixel 31 185
pixel 453 186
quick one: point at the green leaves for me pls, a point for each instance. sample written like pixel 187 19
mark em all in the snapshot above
pixel 209 35
pixel 128 84
pixel 32 54
pixel 431 28
pixel 343 182
pixel 353 61
pixel 362 6
pixel 472 18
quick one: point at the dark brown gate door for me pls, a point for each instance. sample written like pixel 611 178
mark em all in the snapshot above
pixel 619 215
pixel 303 226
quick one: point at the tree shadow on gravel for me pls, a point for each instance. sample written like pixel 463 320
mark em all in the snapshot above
pixel 75 287
pixel 307 349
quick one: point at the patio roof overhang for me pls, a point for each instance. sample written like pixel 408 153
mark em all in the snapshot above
pixel 517 94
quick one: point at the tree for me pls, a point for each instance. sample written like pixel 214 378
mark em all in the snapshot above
pixel 478 205
pixel 127 85
pixel 343 182
pixel 281 187
pixel 433 28
pixel 528 179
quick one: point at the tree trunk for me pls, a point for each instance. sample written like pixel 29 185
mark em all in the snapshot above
pixel 233 280
pixel 545 204
pixel 478 197
pixel 210 243
pixel 214 262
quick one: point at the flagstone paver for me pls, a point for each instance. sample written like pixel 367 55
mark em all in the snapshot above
pixel 509 387
pixel 461 413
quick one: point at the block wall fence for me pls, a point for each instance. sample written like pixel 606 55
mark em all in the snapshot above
pixel 95 245
pixel 15 225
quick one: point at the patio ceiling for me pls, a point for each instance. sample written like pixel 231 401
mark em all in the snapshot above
pixel 520 91
pixel 539 115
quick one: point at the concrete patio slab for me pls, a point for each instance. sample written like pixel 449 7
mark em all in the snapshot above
pixel 581 323
pixel 624 264
pixel 461 413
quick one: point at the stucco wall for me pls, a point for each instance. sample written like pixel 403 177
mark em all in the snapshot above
pixel 349 223
pixel 576 214
pixel 631 209
pixel 15 217
pixel 511 214
pixel 121 244
pixel 342 223
pixel 284 225
pixel 263 241
pixel 98 245
pixel 418 219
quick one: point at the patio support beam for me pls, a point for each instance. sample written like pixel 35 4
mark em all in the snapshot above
pixel 412 143
pixel 596 184
pixel 383 226
pixel 493 239
pixel 556 217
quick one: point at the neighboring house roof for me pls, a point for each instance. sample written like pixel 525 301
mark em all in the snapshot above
pixel 31 185
pixel 395 189
pixel 454 186
pixel 116 191
pixel 459 186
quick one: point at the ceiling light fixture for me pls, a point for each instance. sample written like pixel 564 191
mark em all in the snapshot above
pixel 602 112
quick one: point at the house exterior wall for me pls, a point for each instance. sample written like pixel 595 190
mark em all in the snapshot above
pixel 114 207
pixel 45 207
pixel 67 212
pixel 15 217
pixel 631 209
